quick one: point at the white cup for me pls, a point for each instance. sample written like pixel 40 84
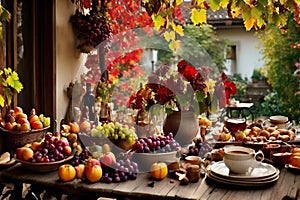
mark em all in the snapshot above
pixel 241 159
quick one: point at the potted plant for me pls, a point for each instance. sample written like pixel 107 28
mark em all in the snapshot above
pixel 258 76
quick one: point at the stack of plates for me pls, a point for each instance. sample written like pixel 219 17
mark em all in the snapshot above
pixel 261 176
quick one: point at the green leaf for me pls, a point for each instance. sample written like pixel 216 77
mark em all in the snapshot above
pixel 198 17
pixel 159 21
pixel 256 12
pixel 214 5
pixel 13 81
pixel 200 96
pixel 1 101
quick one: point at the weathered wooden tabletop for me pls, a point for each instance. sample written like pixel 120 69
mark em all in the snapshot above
pixel 287 187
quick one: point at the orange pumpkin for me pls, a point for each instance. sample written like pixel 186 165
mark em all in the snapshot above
pixel 159 170
pixel 66 172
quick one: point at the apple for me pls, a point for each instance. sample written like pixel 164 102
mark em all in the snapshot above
pixel 74 127
pixel 19 153
pixel 22 121
pixel 111 155
pixel 93 172
pixel 27 153
pixel 66 172
pixel 37 125
pixel 80 169
pixel 25 127
pixel 8 126
pixel 65 141
pixel 21 115
pixel 67 150
pixel 33 118
pixel 17 110
pixel 106 160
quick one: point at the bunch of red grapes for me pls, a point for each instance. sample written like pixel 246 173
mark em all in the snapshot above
pixel 122 170
pixel 93 29
pixel 158 143
pixel 200 148
pixel 79 159
pixel 51 149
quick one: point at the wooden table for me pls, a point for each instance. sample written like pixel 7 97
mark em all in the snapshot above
pixel 287 187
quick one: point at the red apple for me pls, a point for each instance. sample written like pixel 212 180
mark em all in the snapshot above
pixel 22 121
pixel 33 118
pixel 67 150
pixel 8 126
pixel 18 110
pixel 106 160
pixel 37 125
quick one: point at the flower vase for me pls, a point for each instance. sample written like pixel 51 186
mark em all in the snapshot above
pixel 142 124
pixel 184 126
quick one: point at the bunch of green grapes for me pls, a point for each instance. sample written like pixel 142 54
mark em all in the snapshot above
pixel 45 120
pixel 116 131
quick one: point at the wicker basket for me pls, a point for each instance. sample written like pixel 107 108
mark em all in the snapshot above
pixel 15 139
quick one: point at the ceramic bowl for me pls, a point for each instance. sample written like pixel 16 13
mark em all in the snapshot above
pixel 45 167
pixel 145 160
pixel 278 119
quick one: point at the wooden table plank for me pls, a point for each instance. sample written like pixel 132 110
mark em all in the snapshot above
pixel 287 185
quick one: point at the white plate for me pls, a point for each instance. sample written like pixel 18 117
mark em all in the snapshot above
pixel 246 184
pixel 262 171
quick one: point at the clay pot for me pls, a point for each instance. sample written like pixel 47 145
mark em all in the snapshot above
pixel 183 125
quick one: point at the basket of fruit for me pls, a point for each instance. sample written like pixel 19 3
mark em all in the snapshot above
pixel 151 149
pixel 17 129
pixel 45 155
pixel 122 136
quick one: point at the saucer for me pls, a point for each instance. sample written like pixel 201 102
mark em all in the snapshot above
pixel 286 125
pixel 263 170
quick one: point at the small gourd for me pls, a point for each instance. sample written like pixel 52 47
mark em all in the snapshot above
pixel 159 170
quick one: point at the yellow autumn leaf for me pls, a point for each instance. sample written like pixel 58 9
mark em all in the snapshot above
pixel 260 22
pixel 198 17
pixel 178 29
pixel 178 2
pixel 174 45
pixel 158 20
pixel 169 36
pixel 224 3
pixel 199 2
pixel 249 23
pixel 235 11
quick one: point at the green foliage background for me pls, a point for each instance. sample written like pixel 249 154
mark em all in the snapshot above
pixel 280 61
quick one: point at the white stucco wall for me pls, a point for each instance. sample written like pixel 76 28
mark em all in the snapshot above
pixel 248 46
pixel 69 61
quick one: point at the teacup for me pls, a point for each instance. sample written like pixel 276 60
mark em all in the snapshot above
pixel 241 159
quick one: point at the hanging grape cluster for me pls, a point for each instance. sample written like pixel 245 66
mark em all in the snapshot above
pixel 92 29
